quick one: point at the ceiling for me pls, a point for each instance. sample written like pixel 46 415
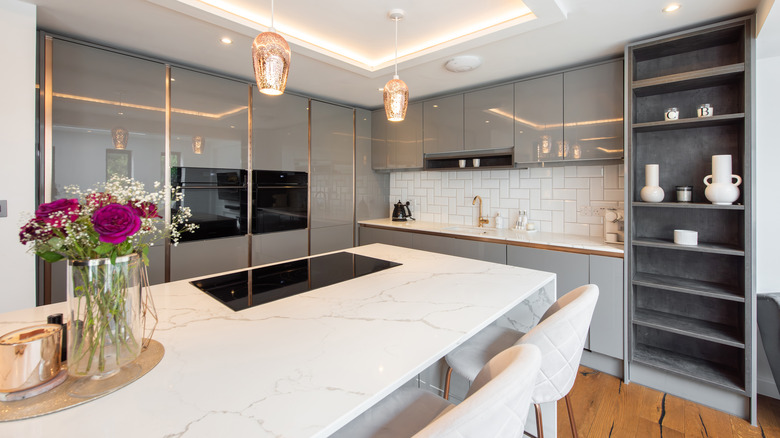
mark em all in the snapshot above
pixel 343 51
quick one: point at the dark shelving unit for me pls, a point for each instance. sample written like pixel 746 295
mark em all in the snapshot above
pixel 691 308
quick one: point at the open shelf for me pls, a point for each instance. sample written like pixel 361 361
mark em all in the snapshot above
pixel 695 328
pixel 688 205
pixel 694 368
pixel 698 122
pixel 708 77
pixel 489 159
pixel 685 285
pixel 701 247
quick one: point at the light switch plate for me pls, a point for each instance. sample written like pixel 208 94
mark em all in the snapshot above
pixel 3 208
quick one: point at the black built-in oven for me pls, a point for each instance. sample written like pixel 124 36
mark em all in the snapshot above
pixel 281 201
pixel 217 198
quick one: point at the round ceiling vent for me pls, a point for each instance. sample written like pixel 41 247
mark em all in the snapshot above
pixel 460 64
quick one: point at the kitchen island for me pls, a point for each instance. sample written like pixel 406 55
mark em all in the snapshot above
pixel 305 365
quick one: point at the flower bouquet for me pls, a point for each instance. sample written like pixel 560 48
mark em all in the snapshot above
pixel 104 233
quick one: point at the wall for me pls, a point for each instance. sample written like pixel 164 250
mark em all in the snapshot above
pixel 767 157
pixel 17 147
pixel 558 199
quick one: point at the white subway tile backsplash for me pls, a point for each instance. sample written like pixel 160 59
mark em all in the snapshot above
pixel 577 183
pixel 590 171
pixel 565 194
pixel 541 172
pixel 547 188
pixel 559 180
pixel 596 189
pixel 611 177
pixel 552 205
pixel 531 183
pixel 555 198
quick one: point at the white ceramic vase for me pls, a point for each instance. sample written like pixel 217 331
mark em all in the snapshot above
pixel 651 192
pixel 721 190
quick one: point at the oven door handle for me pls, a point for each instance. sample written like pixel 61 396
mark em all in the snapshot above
pixel 281 187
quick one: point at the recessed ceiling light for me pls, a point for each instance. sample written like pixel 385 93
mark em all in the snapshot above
pixel 226 40
pixel 671 8
pixel 460 64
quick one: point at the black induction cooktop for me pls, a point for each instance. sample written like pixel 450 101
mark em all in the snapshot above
pixel 282 280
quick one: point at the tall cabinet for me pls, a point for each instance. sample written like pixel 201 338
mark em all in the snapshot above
pixel 691 308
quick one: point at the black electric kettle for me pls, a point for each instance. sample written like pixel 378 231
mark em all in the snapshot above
pixel 401 212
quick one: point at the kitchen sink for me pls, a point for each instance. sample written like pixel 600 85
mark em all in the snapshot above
pixel 472 230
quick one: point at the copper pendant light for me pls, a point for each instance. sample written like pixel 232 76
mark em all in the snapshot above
pixel 396 93
pixel 119 136
pixel 271 60
pixel 198 143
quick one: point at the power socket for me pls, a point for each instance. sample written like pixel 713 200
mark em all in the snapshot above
pixel 3 208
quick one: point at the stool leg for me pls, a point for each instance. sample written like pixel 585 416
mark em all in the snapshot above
pixel 571 417
pixel 539 429
pixel 447 384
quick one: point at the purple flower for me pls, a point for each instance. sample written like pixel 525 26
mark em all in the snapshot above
pixel 54 213
pixel 115 222
pixel 34 230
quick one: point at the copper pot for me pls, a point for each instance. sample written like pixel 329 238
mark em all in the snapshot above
pixel 29 356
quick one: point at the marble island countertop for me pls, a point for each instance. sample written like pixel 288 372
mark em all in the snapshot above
pixel 302 366
pixel 554 241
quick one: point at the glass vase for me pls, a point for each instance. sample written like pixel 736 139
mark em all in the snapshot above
pixel 105 328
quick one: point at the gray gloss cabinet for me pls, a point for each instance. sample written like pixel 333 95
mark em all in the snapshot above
pixel 280 132
pixel 606 327
pixel 593 112
pixel 572 269
pixel 397 145
pixel 486 251
pixel 332 186
pixel 443 124
pixel 487 116
pixel 539 119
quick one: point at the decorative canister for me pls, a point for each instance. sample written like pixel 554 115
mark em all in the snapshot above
pixel 722 190
pixel 705 110
pixel 671 114
pixel 651 192
pixel 684 193
pixel 29 357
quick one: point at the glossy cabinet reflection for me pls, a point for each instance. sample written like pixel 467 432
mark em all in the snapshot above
pixel 280 132
pixel 593 112
pixel 443 124
pixel 488 118
pixel 372 189
pixel 539 119
pixel 332 186
pixel 398 145
pixel 211 109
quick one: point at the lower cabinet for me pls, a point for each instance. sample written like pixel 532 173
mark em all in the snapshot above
pixel 211 256
pixel 572 270
pixel 472 249
pixel 278 247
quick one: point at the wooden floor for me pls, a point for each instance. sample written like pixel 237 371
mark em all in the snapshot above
pixel 605 407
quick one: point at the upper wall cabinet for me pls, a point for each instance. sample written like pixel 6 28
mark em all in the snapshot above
pixel 593 112
pixel 280 132
pixel 539 119
pixel 488 120
pixel 572 116
pixel 397 145
pixel 443 124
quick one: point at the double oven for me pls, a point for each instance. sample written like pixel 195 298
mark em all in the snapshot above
pixel 219 202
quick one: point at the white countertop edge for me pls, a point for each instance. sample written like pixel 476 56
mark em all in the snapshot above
pixel 587 243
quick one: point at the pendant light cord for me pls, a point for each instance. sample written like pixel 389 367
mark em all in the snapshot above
pixel 272 16
pixel 396 46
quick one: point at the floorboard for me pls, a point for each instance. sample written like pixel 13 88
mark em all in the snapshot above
pixel 605 407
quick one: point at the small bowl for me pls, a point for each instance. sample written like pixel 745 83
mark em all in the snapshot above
pixel 29 357
pixel 686 237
